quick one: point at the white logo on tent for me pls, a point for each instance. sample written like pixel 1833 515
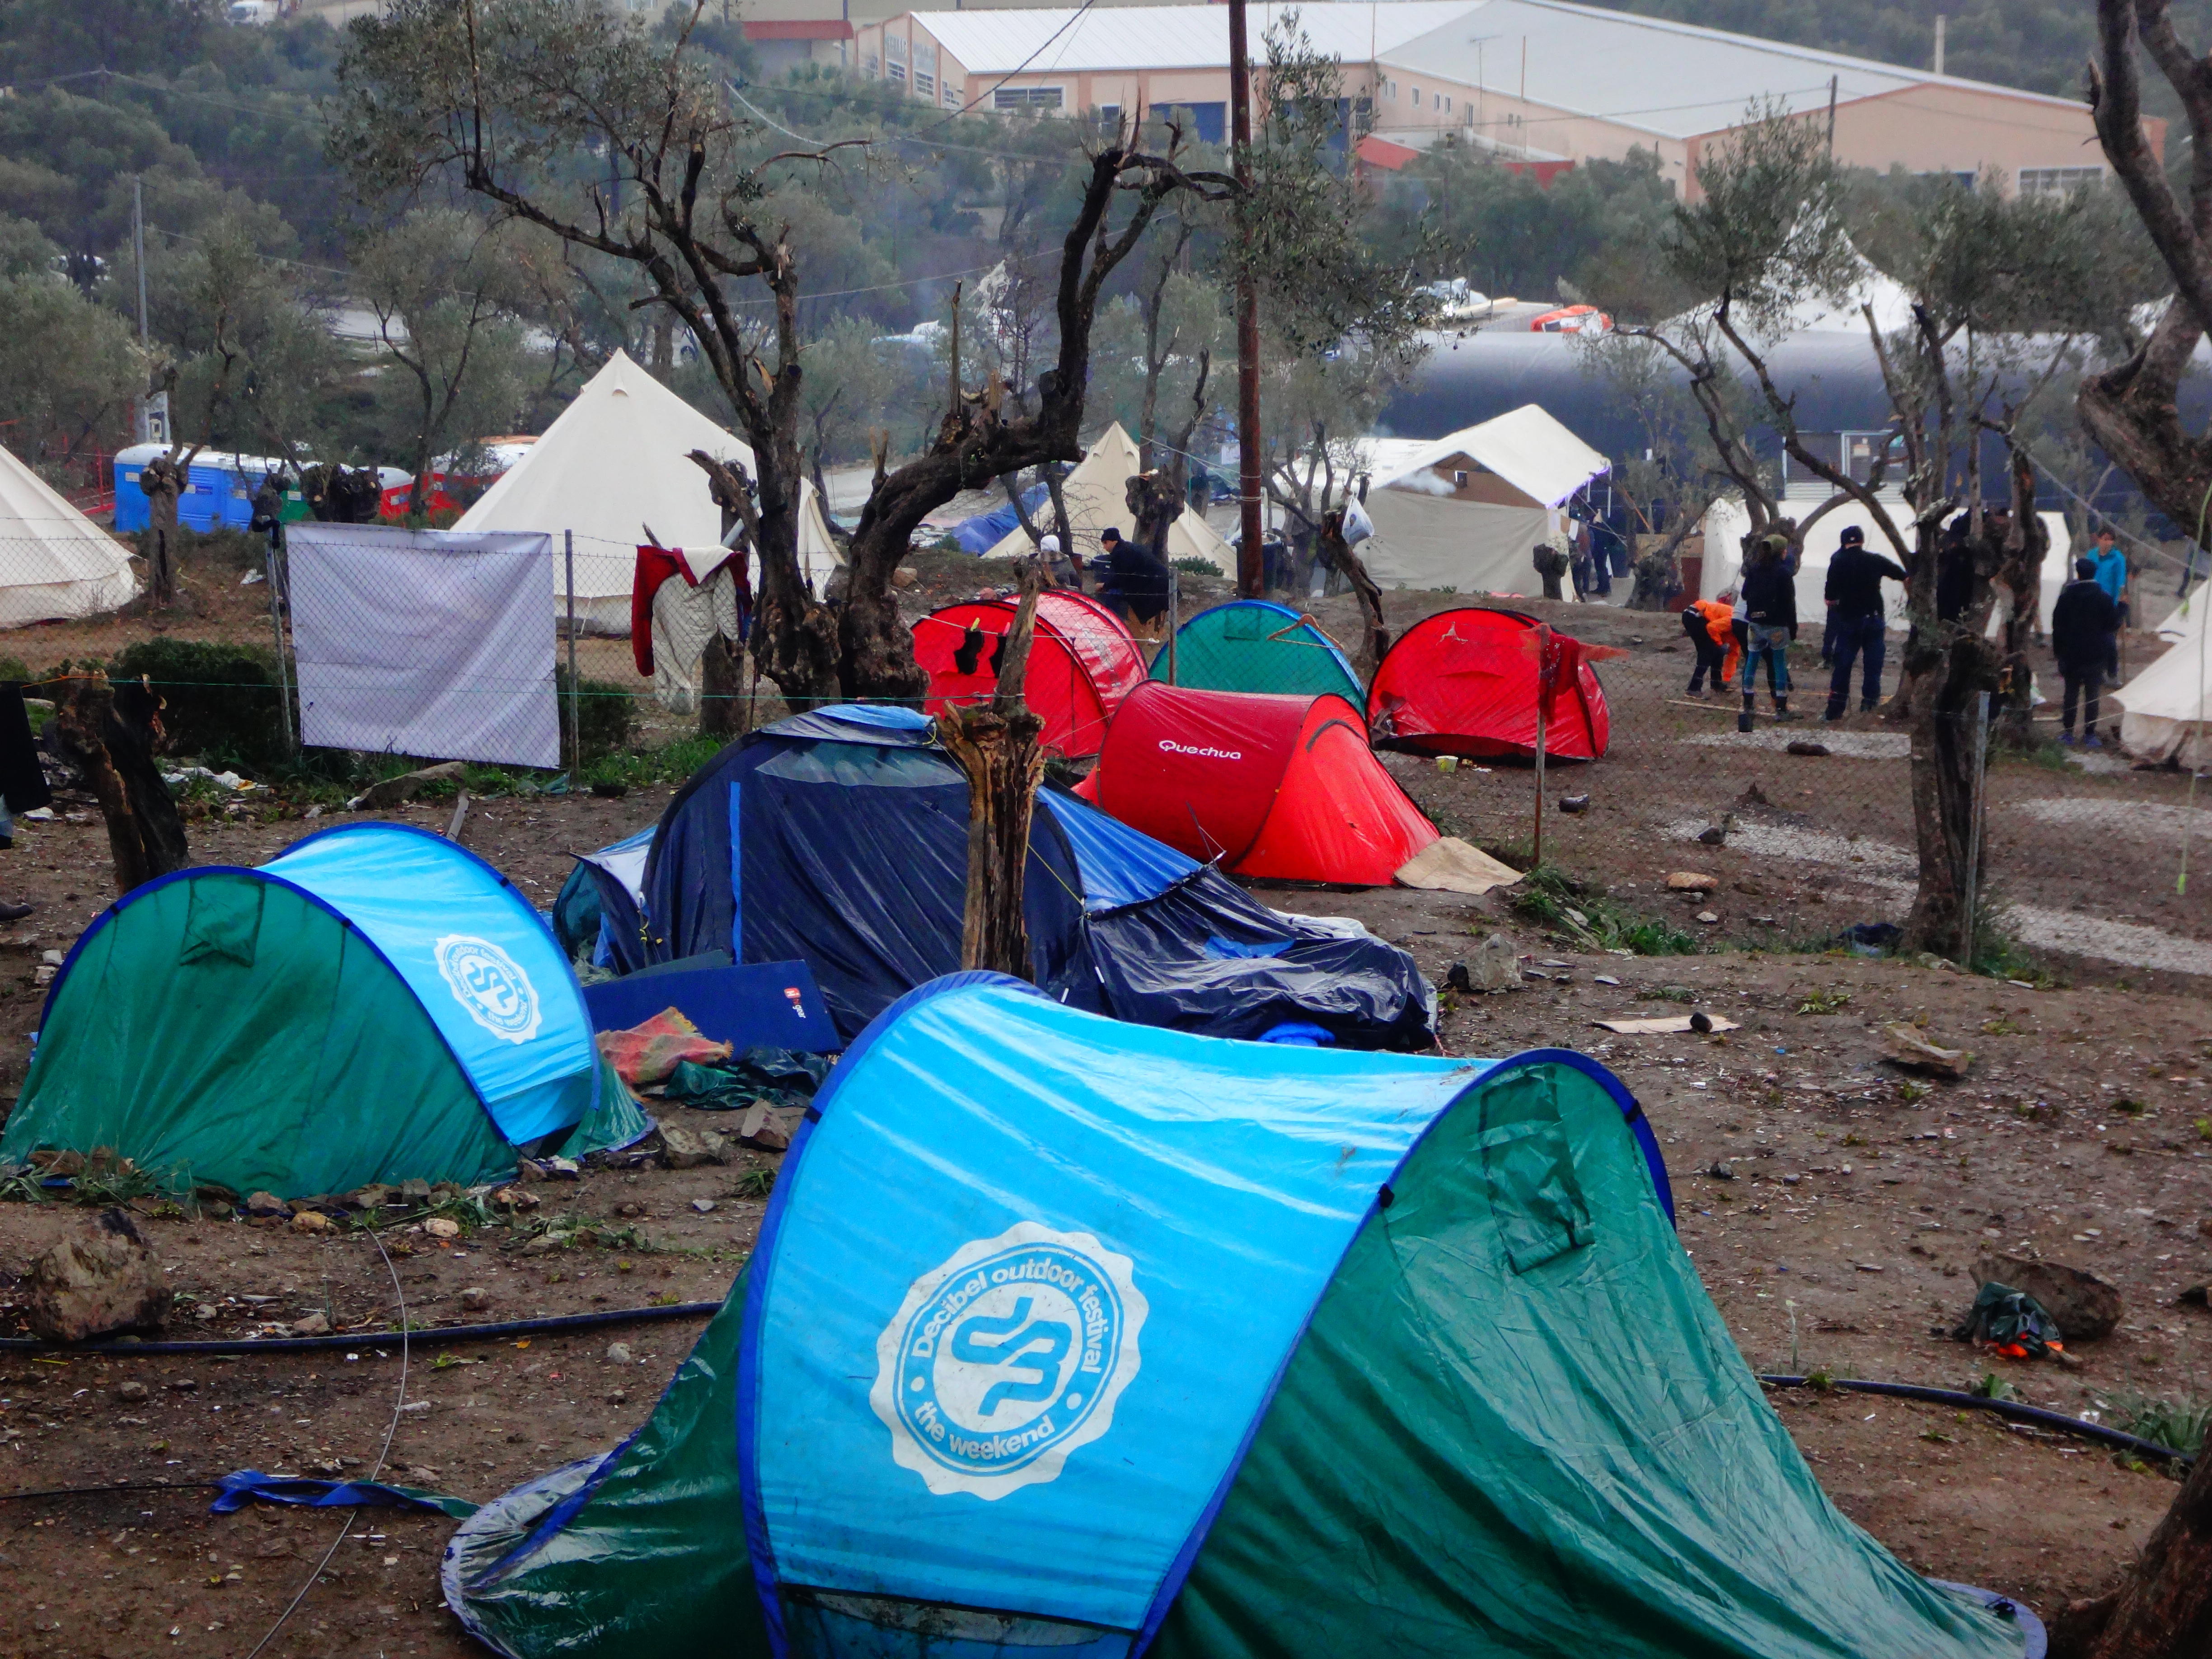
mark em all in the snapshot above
pixel 1006 1359
pixel 491 985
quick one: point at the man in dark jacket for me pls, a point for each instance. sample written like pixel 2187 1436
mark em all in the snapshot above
pixel 1854 594
pixel 1133 582
pixel 2081 624
pixel 1770 616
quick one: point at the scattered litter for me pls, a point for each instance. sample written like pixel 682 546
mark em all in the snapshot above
pixel 1607 979
pixel 704 1205
pixel 229 781
pixel 1664 1025
pixel 1689 881
pixel 250 578
pixel 1574 802
pixel 2010 1322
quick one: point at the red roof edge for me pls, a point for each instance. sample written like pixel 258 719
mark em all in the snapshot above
pixel 1381 153
pixel 801 28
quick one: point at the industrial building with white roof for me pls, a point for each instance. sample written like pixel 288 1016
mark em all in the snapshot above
pixel 1541 82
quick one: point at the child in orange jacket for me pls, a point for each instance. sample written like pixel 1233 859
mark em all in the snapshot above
pixel 1707 624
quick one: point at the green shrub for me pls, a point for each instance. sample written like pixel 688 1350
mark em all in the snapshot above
pixel 221 699
pixel 1194 566
pixel 604 710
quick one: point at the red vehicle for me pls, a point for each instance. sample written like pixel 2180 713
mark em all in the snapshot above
pixel 1571 319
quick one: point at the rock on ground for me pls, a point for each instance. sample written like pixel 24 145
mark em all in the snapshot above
pixel 95 1282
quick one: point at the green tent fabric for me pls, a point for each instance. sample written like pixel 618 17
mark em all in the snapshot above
pixel 222 1027
pixel 1255 645
pixel 1516 1425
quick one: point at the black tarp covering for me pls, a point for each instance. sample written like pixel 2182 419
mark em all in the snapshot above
pixel 849 829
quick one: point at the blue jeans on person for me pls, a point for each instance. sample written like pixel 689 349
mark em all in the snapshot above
pixel 1856 636
pixel 1773 644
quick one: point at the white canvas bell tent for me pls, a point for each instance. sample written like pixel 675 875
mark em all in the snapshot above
pixel 1727 524
pixel 2165 713
pixel 54 562
pixel 1098 500
pixel 613 463
pixel 1466 513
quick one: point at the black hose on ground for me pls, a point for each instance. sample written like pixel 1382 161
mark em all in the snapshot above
pixel 434 1335
pixel 2011 1409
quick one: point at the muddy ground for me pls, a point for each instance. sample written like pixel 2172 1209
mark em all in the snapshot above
pixel 1844 1238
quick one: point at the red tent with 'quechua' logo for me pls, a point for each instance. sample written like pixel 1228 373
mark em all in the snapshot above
pixel 1269 787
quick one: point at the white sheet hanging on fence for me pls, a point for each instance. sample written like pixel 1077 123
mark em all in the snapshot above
pixel 685 616
pixel 431 643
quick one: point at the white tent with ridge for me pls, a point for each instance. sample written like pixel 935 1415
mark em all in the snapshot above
pixel 1465 512
pixel 614 463
pixel 2164 704
pixel 54 562
pixel 1096 492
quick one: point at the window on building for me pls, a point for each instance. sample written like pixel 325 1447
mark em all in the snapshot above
pixel 1448 103
pixel 924 55
pixel 2057 181
pixel 1109 114
pixel 952 98
pixel 1415 99
pixel 894 71
pixel 894 48
pixel 869 68
pixel 924 84
pixel 1026 97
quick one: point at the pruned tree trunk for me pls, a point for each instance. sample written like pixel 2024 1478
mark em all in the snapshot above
pixel 1948 664
pixel 163 482
pixel 998 745
pixel 2163 1608
pixel 2022 544
pixel 111 735
pixel 722 688
pixel 985 436
pixel 1330 547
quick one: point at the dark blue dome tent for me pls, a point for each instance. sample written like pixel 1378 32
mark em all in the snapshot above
pixel 839 838
pixel 1163 1346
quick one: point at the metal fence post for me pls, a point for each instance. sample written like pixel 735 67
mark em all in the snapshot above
pixel 276 624
pixel 1970 895
pixel 575 689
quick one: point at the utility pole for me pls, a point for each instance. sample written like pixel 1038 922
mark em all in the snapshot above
pixel 151 403
pixel 1250 568
pixel 1833 80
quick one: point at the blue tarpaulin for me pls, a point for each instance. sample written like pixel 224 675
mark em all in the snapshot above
pixel 839 838
pixel 984 531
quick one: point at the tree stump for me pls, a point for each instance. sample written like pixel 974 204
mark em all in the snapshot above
pixel 111 735
pixel 2163 1609
pixel 722 688
pixel 998 746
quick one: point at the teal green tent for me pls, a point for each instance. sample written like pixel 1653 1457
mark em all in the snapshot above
pixel 1255 645
pixel 1174 1345
pixel 376 1004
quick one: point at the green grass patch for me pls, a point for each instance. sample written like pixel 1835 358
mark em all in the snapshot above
pixel 2180 1424
pixel 1580 912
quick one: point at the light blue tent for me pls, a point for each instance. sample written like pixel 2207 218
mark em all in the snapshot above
pixel 376 1004
pixel 1071 1335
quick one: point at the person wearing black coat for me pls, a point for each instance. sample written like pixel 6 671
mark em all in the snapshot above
pixel 2081 624
pixel 1855 611
pixel 1133 581
pixel 1770 617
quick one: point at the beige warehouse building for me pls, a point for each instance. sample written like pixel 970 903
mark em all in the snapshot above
pixel 1534 79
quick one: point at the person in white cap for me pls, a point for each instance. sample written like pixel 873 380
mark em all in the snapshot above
pixel 1062 568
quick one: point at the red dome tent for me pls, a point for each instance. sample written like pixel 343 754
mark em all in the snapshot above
pixel 1463 682
pixel 1082 663
pixel 1271 787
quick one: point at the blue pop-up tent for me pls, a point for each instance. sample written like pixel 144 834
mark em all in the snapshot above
pixel 1065 1334
pixel 839 838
